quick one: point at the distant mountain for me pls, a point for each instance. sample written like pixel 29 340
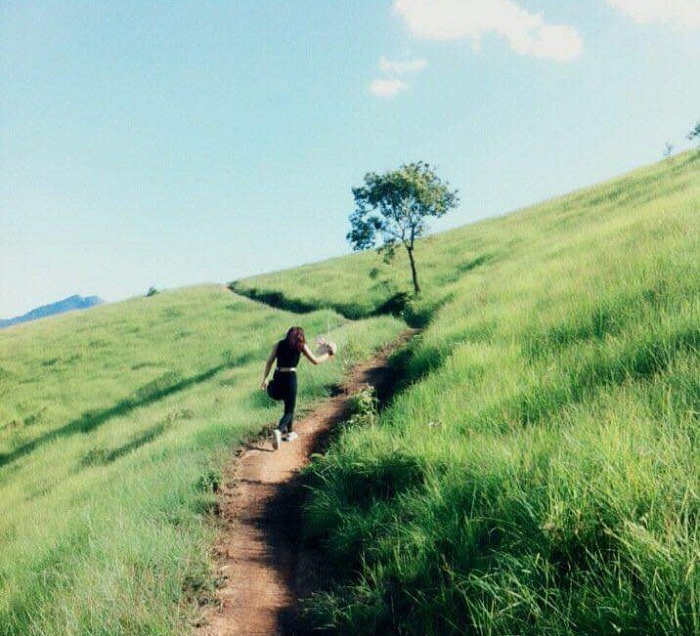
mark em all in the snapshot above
pixel 67 304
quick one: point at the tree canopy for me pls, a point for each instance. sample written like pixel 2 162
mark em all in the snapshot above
pixel 393 208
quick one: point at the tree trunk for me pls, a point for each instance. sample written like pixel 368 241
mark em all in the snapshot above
pixel 414 273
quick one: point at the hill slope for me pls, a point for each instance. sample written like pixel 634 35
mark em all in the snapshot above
pixel 114 427
pixel 616 211
pixel 536 475
pixel 539 472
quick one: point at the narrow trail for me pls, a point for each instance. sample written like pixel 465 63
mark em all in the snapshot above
pixel 263 568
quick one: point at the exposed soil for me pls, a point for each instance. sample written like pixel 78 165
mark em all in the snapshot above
pixel 263 567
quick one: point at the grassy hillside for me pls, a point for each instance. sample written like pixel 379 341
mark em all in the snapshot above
pixel 114 426
pixel 539 472
pixel 361 284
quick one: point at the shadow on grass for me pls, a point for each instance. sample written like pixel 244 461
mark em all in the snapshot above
pixel 274 299
pixel 277 300
pixel 159 389
pixel 101 456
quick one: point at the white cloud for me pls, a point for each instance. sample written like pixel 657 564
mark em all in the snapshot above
pixel 387 87
pixel 401 68
pixel 684 13
pixel 527 33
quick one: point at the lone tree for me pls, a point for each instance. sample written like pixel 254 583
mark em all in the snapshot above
pixel 392 209
pixel 694 134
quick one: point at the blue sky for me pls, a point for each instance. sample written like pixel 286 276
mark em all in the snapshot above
pixel 175 143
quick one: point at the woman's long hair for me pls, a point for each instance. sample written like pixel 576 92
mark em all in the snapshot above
pixel 296 338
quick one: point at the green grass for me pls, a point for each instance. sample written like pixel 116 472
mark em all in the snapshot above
pixel 625 211
pixel 539 473
pixel 114 427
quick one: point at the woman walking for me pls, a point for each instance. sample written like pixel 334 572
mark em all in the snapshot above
pixel 287 352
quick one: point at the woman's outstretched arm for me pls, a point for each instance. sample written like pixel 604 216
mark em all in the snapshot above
pixel 317 359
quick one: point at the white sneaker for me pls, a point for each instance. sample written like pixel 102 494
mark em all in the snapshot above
pixel 276 438
pixel 292 436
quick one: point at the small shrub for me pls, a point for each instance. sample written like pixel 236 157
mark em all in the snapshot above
pixel 364 407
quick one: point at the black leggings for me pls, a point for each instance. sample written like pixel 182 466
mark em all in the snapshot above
pixel 286 389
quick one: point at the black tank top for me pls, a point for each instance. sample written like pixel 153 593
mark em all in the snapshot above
pixel 287 357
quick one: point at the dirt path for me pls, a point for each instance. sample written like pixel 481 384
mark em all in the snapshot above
pixel 263 569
